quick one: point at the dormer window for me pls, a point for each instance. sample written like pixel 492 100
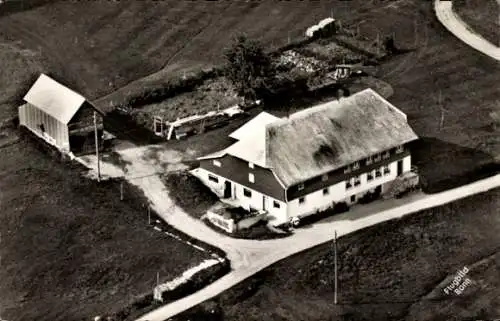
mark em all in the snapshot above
pixel 217 163
pixel 399 149
pixel 251 178
pixel 324 178
pixel 300 187
pixel 355 166
pixel 250 165
pixel 377 158
pixel 386 155
pixel 347 170
pixel 369 160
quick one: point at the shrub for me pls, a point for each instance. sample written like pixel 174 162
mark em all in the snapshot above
pixel 189 193
pixel 169 89
pixel 340 207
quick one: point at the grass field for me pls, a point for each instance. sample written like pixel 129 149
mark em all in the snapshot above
pixel 101 46
pixel 483 16
pixel 443 86
pixel 109 44
pixel 70 249
pixel 19 67
pixel 441 71
pixel 393 271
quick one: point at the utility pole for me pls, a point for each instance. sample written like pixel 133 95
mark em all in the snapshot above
pixel 440 103
pixel 335 264
pixel 121 191
pixel 96 137
pixel 157 279
pixel 149 214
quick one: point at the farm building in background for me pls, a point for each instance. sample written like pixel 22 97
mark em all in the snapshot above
pixel 61 117
pixel 338 152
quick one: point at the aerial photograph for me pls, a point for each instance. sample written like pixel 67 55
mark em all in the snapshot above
pixel 249 160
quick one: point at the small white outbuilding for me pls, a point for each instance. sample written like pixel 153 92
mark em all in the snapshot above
pixel 60 116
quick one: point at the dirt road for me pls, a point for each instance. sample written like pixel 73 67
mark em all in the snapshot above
pixel 248 257
pixel 446 15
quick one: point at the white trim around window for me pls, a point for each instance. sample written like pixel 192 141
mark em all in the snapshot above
pixel 217 163
pixel 251 178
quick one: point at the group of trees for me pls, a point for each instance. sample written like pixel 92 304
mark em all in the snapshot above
pixel 249 67
pixel 251 70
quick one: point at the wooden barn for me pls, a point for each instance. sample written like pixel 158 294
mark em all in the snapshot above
pixel 61 117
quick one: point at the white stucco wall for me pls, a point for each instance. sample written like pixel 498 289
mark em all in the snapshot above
pixel 256 201
pixel 316 201
pixel 407 163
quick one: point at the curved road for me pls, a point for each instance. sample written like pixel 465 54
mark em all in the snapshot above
pixel 450 20
pixel 249 257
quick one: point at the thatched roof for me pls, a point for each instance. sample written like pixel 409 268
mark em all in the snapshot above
pixel 332 135
pixel 323 138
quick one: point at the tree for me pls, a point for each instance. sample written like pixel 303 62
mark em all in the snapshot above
pixel 249 68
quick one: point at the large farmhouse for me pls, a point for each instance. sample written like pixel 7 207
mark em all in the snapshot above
pixel 61 117
pixel 308 162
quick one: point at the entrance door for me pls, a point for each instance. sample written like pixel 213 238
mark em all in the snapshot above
pixel 227 189
pixel 400 167
pixel 264 203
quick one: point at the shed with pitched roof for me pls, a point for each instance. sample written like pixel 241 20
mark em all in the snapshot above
pixel 60 116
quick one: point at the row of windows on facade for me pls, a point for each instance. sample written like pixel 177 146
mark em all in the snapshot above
pixel 354 166
pixel 246 192
pixel 372 159
pixel 370 176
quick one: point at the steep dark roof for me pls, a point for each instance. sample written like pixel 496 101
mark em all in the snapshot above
pixel 332 135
